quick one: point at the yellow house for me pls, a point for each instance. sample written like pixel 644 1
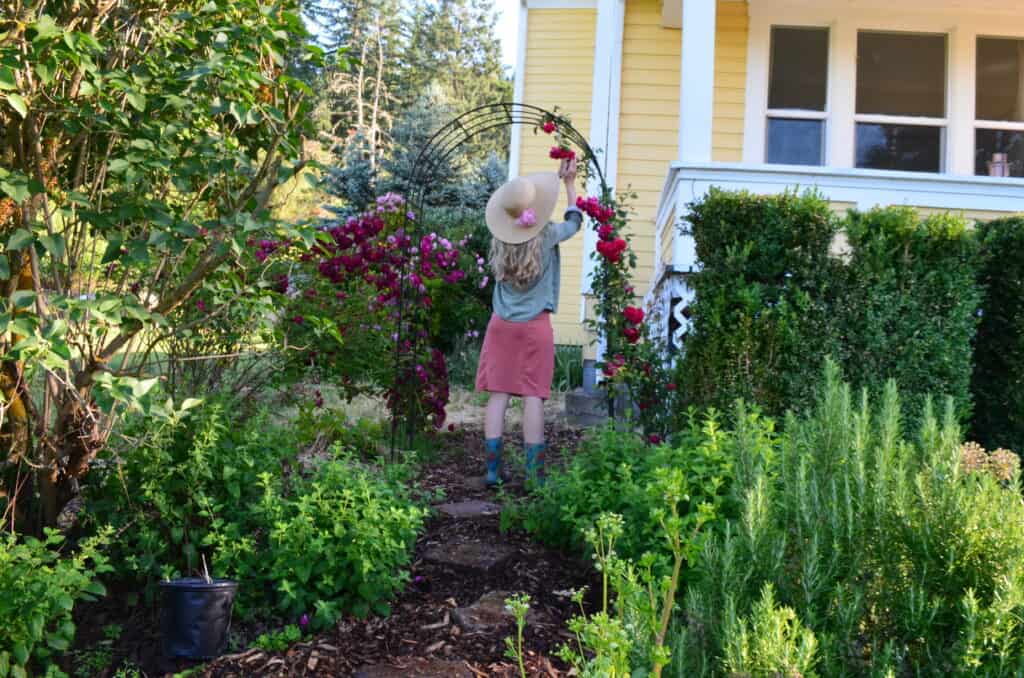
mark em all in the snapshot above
pixel 873 102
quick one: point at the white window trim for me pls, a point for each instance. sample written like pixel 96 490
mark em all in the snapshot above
pixel 963 29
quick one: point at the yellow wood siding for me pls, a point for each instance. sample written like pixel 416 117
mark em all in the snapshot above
pixel 559 72
pixel 668 231
pixel 730 81
pixel 648 122
pixel 972 216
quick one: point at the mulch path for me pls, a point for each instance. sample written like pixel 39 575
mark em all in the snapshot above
pixel 422 626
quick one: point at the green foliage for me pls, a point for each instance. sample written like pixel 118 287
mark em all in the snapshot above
pixel 279 641
pixel 615 471
pixel 519 606
pixel 319 535
pixel 777 295
pixel 40 588
pixel 762 291
pixel 998 381
pixel 908 310
pixel 889 549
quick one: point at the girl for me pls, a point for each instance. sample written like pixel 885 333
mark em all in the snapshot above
pixel 518 355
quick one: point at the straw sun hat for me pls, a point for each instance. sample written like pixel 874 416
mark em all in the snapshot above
pixel 522 207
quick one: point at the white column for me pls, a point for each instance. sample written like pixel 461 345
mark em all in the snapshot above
pixel 516 139
pixel 604 124
pixel 842 95
pixel 604 111
pixel 961 104
pixel 697 80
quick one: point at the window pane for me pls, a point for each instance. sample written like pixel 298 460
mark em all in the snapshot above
pixel 799 68
pixel 911 148
pixel 901 74
pixel 990 143
pixel 795 142
pixel 1000 89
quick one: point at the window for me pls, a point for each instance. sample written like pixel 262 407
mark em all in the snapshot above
pixel 797 96
pixel 999 96
pixel 901 101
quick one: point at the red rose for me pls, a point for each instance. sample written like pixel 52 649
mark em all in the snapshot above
pixel 559 153
pixel 632 334
pixel 451 428
pixel 634 315
pixel 609 370
pixel 612 249
pixel 619 359
pixel 670 386
pixel 605 232
pixel 549 127
pixel 654 439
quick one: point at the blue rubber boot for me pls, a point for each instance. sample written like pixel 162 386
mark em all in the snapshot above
pixel 493 449
pixel 535 463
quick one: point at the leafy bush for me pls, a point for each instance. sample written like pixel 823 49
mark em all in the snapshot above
pixel 908 310
pixel 762 292
pixel 776 297
pixel 614 471
pixel 40 588
pixel 901 555
pixel 998 381
pixel 301 535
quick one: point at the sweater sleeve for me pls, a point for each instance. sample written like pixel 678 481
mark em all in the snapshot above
pixel 567 229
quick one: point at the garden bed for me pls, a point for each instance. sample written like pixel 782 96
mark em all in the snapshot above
pixel 423 620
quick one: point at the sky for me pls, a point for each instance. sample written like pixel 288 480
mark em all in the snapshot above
pixel 508 29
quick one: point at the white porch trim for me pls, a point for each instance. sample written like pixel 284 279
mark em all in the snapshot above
pixel 518 84
pixel 561 4
pixel 604 115
pixel 697 80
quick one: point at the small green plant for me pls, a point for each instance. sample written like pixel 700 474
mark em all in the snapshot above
pixel 771 643
pixel 519 606
pixel 633 635
pixel 40 587
pixel 279 641
pixel 91 662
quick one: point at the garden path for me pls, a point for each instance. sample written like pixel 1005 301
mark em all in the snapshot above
pixel 450 621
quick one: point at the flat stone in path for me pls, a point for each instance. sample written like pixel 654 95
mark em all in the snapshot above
pixel 474 556
pixel 417 668
pixel 488 614
pixel 473 508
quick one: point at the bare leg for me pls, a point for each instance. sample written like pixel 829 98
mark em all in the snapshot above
pixel 494 421
pixel 533 420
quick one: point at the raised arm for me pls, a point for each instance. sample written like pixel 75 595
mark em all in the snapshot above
pixel 573 215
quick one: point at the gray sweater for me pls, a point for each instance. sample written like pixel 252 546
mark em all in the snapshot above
pixel 519 305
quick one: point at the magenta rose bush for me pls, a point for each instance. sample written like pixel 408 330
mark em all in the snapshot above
pixel 370 292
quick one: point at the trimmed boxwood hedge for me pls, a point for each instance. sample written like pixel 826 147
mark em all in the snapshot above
pixel 998 380
pixel 775 298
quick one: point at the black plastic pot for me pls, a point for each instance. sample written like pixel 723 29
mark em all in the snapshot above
pixel 196 616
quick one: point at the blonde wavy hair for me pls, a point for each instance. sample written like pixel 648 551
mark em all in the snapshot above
pixel 518 265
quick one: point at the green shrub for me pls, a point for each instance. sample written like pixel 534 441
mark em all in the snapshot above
pixel 899 554
pixel 40 588
pixel 998 381
pixel 615 471
pixel 319 536
pixel 908 310
pixel 772 303
pixel 762 293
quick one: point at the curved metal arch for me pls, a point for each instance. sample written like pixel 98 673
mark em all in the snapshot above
pixel 425 176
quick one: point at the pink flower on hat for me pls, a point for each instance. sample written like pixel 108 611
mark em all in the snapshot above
pixel 528 219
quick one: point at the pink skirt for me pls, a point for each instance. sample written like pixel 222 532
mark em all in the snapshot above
pixel 518 357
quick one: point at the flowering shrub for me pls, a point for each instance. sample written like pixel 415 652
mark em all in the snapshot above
pixel 370 292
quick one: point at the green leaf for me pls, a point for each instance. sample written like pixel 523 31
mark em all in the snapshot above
pixel 96 589
pixel 23 298
pixel 119 165
pixel 54 244
pixel 46 28
pixel 17 187
pixel 7 80
pixel 58 643
pixel 18 103
pixel 66 602
pixel 137 101
pixel 191 403
pixel 113 252
pixel 144 386
pixel 86 88
pixel 20 653
pixel 45 73
pixel 5 268
pixel 19 240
